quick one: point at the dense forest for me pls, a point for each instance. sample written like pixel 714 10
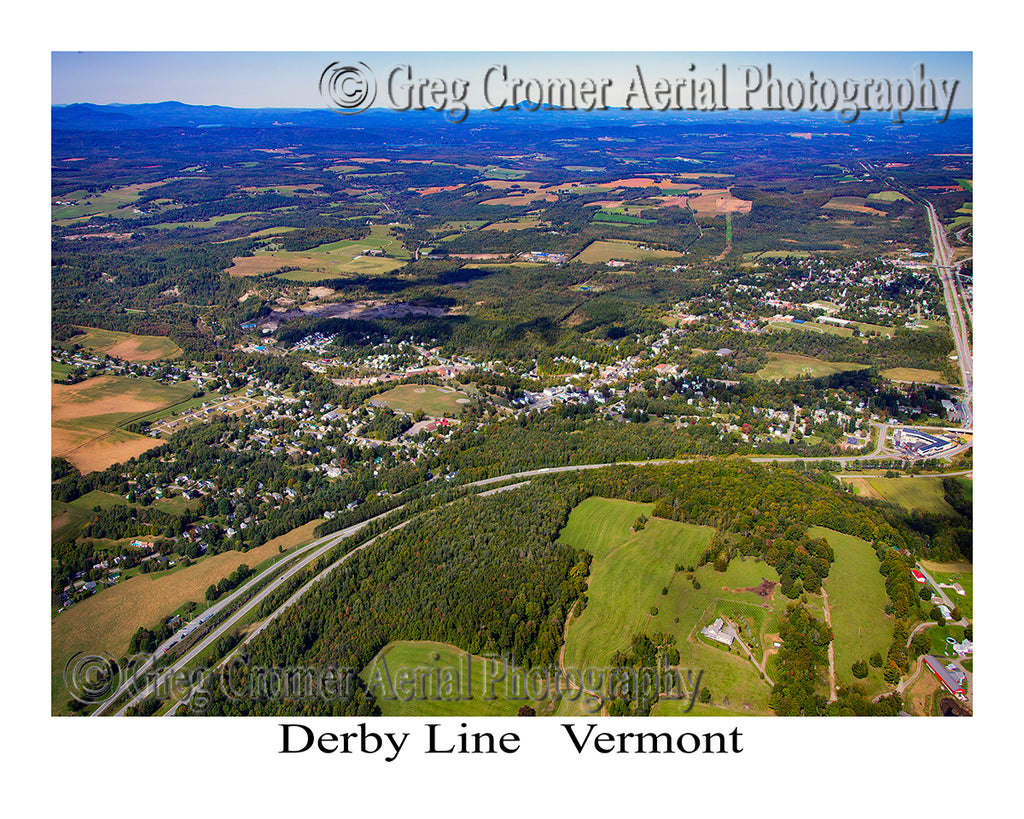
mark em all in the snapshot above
pixel 498 582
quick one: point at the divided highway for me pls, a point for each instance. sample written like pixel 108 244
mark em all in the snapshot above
pixel 955 306
pixel 304 556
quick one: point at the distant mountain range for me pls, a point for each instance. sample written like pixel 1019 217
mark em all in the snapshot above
pixel 118 117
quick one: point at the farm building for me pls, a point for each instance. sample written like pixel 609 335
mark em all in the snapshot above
pixel 951 677
pixel 918 576
pixel 720 632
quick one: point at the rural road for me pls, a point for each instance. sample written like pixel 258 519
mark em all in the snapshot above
pixel 831 649
pixel 759 666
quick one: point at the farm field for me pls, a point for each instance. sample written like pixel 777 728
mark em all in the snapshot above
pixel 776 254
pixel 433 400
pixel 888 196
pixel 524 223
pixel 114 202
pixel 106 621
pixel 328 260
pixel 717 202
pixel 213 221
pixel 789 365
pixel 606 250
pixel 285 190
pixel 85 418
pixel 126 345
pixel 444 685
pixel 627 576
pixel 856 593
pixel 914 375
pixel 854 204
pixel 522 199
pixel 628 571
pixel 924 493
pixel 615 217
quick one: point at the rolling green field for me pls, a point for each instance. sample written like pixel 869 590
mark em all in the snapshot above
pixel 117 202
pixel 327 260
pixel 856 593
pixel 463 224
pixel 628 571
pixel 497 172
pixel 128 346
pixel 789 365
pixel 213 221
pixel 427 679
pixel 604 251
pixel 623 218
pixel 924 493
pixel 434 401
pixel 627 576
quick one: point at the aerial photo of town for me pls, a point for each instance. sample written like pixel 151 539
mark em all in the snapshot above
pixel 527 409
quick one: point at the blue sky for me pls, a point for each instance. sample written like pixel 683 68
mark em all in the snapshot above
pixel 289 79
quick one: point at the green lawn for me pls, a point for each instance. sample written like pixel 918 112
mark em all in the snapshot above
pixel 427 679
pixel 938 635
pixel 924 493
pixel 964 602
pixel 856 593
pixel 609 216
